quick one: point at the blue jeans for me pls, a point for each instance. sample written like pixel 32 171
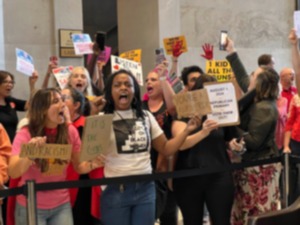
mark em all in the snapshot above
pixel 61 215
pixel 129 204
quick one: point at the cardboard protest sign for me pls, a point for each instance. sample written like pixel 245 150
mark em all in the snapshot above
pixel 52 159
pixel 223 103
pixel 134 55
pixel 297 22
pixel 82 44
pixel 135 68
pixel 220 69
pixel 169 43
pixel 62 74
pixel 192 103
pixel 96 136
pixel 24 62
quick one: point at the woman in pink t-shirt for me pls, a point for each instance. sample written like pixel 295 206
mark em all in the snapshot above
pixel 47 125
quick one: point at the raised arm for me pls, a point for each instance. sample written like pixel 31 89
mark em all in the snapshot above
pixel 237 66
pixel 295 57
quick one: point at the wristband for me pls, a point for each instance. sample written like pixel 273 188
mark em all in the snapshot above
pixel 162 78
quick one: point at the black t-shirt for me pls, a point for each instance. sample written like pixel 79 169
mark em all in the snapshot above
pixel 164 120
pixel 8 115
pixel 211 151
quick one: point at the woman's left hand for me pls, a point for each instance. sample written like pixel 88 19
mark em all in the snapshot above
pixel 193 124
pixel 236 146
pixel 97 162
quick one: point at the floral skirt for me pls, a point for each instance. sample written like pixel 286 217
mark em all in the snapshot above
pixel 256 192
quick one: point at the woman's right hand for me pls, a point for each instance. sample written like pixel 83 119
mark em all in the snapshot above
pixel 293 37
pixel 38 141
pixel 209 125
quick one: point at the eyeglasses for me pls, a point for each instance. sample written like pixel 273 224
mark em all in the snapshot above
pixel 8 82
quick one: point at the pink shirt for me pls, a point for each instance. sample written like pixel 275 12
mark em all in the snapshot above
pixel 45 199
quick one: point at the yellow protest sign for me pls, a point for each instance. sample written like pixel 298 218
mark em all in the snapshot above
pixel 96 136
pixel 192 103
pixel 220 69
pixel 134 55
pixel 169 43
pixel 52 159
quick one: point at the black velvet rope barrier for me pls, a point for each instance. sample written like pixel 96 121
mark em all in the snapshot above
pixel 139 178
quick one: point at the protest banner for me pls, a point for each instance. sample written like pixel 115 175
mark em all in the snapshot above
pixel 24 62
pixel 96 136
pixel 135 68
pixel 220 69
pixel 52 159
pixel 82 44
pixel 169 43
pixel 134 55
pixel 192 103
pixel 223 103
pixel 61 75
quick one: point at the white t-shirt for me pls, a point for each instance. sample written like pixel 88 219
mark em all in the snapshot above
pixel 130 144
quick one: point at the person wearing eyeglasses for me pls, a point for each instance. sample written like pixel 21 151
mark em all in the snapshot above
pixel 10 105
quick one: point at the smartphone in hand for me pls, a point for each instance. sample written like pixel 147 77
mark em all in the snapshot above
pixel 223 39
pixel 159 56
pixel 100 39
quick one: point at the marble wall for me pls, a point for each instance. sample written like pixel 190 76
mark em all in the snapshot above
pixel 256 27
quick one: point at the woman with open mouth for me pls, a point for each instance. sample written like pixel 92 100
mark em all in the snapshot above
pixel 134 132
pixel 47 124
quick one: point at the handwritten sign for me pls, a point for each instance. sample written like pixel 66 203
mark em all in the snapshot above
pixel 192 103
pixel 220 69
pixel 134 55
pixel 135 68
pixel 96 136
pixel 82 44
pixel 223 103
pixel 46 151
pixel 51 159
pixel 24 62
pixel 169 43
pixel 62 74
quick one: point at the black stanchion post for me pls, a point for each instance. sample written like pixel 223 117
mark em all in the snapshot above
pixel 31 203
pixel 286 178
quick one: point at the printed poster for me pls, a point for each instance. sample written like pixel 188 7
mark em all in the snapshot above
pixel 82 44
pixel 134 55
pixel 220 69
pixel 118 63
pixel 24 62
pixel 61 75
pixel 223 103
pixel 169 43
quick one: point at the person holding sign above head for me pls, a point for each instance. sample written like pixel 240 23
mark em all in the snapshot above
pixel 205 148
pixel 134 132
pixel 84 201
pixel 47 125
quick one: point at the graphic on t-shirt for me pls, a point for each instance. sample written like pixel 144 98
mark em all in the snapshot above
pixel 132 136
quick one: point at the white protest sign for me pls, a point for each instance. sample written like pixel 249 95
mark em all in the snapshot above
pixel 62 74
pixel 24 62
pixel 135 68
pixel 223 103
pixel 96 136
pixel 82 44
pixel 297 22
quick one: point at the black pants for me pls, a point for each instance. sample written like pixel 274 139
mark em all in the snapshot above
pixel 169 215
pixel 294 173
pixel 216 190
